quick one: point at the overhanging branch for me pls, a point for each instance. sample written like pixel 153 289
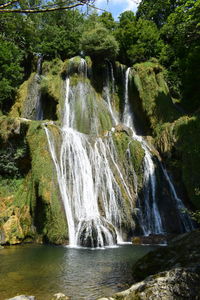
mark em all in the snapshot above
pixel 43 9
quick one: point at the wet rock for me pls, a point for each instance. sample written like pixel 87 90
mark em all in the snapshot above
pixel 123 128
pixel 23 297
pixel 150 239
pixel 2 237
pixel 168 273
pixel 60 296
pixel 183 252
pixel 168 285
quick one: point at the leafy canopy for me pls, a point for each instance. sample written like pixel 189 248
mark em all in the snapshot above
pixel 98 43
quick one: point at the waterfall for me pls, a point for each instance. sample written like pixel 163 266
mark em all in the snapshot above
pixel 87 182
pixel 149 216
pixel 181 209
pixel 94 187
pixel 150 219
pixel 108 90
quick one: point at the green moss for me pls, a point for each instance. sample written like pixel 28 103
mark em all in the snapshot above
pixel 52 67
pixel 47 209
pixel 20 100
pixel 179 143
pixel 71 66
pixel 153 93
pixel 31 195
pixel 131 154
pixel 52 88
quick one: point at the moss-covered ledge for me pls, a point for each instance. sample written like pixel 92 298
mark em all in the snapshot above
pixel 30 204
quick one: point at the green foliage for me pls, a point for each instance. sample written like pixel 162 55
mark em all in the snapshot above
pixel 179 29
pixel 182 51
pixel 60 34
pixel 10 70
pixel 156 10
pixel 107 20
pixel 195 215
pixel 98 43
pixel 139 40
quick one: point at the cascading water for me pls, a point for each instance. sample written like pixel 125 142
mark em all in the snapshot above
pixel 150 219
pixel 94 189
pixel 149 216
pixel 87 182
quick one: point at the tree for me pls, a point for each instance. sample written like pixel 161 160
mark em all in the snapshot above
pixel 60 34
pixel 156 10
pixel 108 21
pixel 99 43
pixel 139 40
pixel 10 71
pixel 181 54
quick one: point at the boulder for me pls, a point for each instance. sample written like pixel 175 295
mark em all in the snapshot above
pixel 176 284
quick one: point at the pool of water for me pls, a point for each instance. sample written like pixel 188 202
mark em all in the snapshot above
pixel 79 273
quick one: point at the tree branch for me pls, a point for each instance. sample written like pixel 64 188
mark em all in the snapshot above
pixel 7 4
pixel 40 9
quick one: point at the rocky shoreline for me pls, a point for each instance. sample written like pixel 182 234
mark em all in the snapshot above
pixel 168 273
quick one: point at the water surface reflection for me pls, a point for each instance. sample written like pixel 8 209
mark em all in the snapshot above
pixel 80 273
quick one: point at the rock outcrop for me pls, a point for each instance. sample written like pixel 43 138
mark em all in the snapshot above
pixel 168 273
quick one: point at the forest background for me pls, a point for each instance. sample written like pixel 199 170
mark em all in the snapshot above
pixel 165 30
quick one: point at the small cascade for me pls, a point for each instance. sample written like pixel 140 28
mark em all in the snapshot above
pixel 108 90
pixel 150 219
pixel 185 219
pixel 39 64
pixel 149 215
pixel 38 108
pixel 89 189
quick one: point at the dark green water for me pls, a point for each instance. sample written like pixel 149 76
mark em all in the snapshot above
pixel 80 273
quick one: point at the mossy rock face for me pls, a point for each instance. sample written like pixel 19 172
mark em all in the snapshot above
pixel 30 204
pixel 179 144
pixel 130 153
pixel 46 89
pixel 47 209
pixel 90 114
pixel 150 96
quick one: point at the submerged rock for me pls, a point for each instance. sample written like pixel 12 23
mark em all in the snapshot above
pixel 60 296
pixel 22 297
